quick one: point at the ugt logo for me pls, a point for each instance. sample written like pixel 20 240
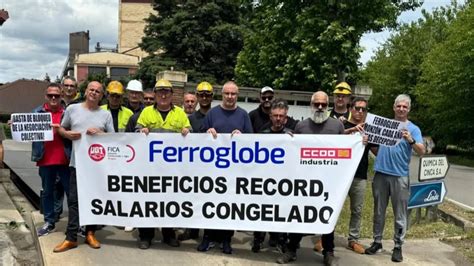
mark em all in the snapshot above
pixel 96 152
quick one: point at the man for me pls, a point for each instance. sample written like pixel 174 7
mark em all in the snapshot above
pixel 189 103
pixel 70 94
pixel 148 100
pixel 225 118
pixel 278 119
pixel 86 117
pixel 260 117
pixel 120 114
pixel 50 157
pixel 204 93
pixel 163 116
pixel 392 180
pixel 319 123
pixel 135 95
pixel 342 97
pixel 355 125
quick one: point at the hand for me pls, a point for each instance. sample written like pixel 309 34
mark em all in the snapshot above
pixel 407 136
pixel 72 135
pixel 290 133
pixel 365 140
pixel 342 118
pixel 145 130
pixel 184 131
pixel 235 132
pixel 55 127
pixel 213 132
pixel 359 128
pixel 93 131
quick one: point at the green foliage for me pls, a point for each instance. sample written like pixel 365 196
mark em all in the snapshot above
pixel 305 45
pixel 446 84
pixel 396 67
pixel 201 38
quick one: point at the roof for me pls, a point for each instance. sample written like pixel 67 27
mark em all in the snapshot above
pixel 22 96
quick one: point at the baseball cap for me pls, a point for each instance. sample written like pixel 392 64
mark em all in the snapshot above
pixel 134 85
pixel 343 88
pixel 266 89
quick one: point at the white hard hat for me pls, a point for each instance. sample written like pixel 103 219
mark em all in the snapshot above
pixel 134 85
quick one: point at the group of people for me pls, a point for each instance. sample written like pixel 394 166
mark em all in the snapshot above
pixel 153 111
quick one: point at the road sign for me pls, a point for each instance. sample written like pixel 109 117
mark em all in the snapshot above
pixel 426 194
pixel 433 167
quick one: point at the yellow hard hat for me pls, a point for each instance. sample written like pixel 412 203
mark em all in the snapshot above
pixel 204 86
pixel 163 83
pixel 115 87
pixel 343 88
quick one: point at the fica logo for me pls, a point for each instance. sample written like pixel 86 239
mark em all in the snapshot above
pixel 324 156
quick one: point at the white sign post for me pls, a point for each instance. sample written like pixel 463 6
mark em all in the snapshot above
pixel 433 167
pixel 27 127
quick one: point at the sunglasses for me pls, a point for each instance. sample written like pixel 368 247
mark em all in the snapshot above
pixel 114 95
pixel 267 98
pixel 204 94
pixel 317 105
pixel 360 109
pixel 51 96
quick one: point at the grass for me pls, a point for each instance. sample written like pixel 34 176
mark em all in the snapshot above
pixel 466 160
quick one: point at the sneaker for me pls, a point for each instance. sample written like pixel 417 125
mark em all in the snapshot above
pixel 318 246
pixel 226 247
pixel 397 254
pixel 257 245
pixel 128 229
pixel 205 245
pixel 356 247
pixel 328 258
pixel 374 248
pixel 46 229
pixel 286 257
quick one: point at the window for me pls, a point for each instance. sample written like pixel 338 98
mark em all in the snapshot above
pixel 117 73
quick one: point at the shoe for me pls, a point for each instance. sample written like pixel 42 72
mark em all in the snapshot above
pixel 257 245
pixel 46 229
pixel 186 235
pixel 397 254
pixel 328 259
pixel 286 257
pixel 92 241
pixel 205 245
pixel 374 248
pixel 172 242
pixel 226 247
pixel 144 244
pixel 65 246
pixel 128 229
pixel 318 246
pixel 356 247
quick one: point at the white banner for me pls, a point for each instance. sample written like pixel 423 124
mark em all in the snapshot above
pixel 252 182
pixel 31 127
pixel 383 131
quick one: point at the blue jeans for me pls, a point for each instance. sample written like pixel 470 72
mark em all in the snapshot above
pixel 49 175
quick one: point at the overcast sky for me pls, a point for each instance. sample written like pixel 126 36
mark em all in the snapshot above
pixel 35 39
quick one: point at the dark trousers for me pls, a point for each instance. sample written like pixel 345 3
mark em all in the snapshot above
pixel 326 239
pixel 59 191
pixel 72 203
pixel 281 238
pixel 147 234
pixel 218 235
pixel 53 176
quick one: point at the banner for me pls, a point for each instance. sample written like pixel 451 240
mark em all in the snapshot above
pixel 253 182
pixel 31 127
pixel 383 131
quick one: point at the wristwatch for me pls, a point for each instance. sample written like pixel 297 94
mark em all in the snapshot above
pixel 412 142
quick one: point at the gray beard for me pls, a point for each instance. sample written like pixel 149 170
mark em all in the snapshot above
pixel 319 117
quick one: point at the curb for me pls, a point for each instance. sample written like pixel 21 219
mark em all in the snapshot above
pixel 466 225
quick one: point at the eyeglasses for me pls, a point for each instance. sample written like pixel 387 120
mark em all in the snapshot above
pixel 148 98
pixel 267 98
pixel 115 95
pixel 318 105
pixel 340 96
pixel 162 91
pixel 51 96
pixel 69 85
pixel 204 94
pixel 360 109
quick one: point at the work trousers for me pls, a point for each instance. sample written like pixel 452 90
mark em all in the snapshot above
pixel 356 196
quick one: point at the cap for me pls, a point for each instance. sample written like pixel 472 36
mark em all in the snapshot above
pixel 343 88
pixel 205 86
pixel 266 89
pixel 115 87
pixel 134 85
pixel 163 83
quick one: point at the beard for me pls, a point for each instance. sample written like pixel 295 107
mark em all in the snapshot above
pixel 319 117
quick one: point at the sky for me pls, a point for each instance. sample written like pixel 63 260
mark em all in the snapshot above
pixel 35 39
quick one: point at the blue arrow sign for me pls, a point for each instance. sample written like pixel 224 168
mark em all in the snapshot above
pixel 426 194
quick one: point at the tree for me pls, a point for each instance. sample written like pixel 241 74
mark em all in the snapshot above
pixel 446 84
pixel 304 45
pixel 199 37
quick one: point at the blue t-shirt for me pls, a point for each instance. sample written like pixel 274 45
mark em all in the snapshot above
pixel 395 160
pixel 226 121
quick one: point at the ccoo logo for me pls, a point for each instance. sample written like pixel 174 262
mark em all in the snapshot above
pixel 96 152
